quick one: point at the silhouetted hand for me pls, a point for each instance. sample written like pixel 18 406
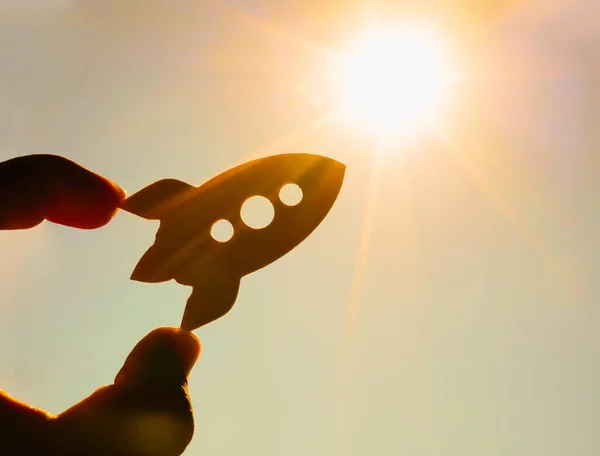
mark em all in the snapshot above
pixel 147 411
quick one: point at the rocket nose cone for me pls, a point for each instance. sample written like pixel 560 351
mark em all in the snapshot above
pixel 338 168
pixel 329 172
pixel 337 164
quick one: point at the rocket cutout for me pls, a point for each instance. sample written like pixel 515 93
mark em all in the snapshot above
pixel 185 250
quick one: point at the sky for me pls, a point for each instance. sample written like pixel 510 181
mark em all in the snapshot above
pixel 448 305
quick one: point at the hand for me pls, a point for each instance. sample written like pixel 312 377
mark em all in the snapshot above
pixel 147 411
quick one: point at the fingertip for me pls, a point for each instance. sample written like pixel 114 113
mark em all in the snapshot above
pixel 88 202
pixel 41 187
pixel 165 354
pixel 106 208
pixel 186 343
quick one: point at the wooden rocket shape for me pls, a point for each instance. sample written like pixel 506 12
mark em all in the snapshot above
pixel 185 250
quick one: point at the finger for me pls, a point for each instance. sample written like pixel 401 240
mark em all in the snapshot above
pixel 35 188
pixel 147 411
pixel 22 427
pixel 164 355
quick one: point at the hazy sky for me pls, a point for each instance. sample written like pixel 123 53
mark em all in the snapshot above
pixel 466 325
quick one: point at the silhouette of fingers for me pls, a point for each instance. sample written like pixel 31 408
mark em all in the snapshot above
pixel 22 427
pixel 146 412
pixel 35 188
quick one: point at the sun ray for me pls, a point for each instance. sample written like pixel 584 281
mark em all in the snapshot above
pixel 364 244
pixel 513 217
pixel 357 287
pixel 256 22
pixel 285 142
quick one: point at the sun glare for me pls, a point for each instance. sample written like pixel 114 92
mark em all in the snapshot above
pixel 395 81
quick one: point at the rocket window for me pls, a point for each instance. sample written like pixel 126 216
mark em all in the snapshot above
pixel 290 194
pixel 257 212
pixel 222 230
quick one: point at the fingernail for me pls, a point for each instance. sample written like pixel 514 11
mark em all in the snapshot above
pixel 120 195
pixel 119 191
pixel 189 346
pixel 164 352
pixel 191 338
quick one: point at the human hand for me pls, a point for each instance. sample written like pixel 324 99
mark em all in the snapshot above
pixel 147 410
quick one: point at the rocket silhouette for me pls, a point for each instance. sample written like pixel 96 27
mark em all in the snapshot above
pixel 185 250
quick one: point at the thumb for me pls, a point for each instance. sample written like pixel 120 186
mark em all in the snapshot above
pixel 147 411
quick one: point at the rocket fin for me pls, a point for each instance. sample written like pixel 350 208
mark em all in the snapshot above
pixel 210 299
pixel 155 200
pixel 152 266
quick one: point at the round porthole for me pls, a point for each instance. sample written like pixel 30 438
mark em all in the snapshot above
pixel 290 194
pixel 222 230
pixel 257 212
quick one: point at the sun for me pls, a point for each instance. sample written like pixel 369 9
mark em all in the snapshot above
pixel 396 80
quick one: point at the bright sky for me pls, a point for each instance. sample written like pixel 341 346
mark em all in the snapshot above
pixel 448 305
